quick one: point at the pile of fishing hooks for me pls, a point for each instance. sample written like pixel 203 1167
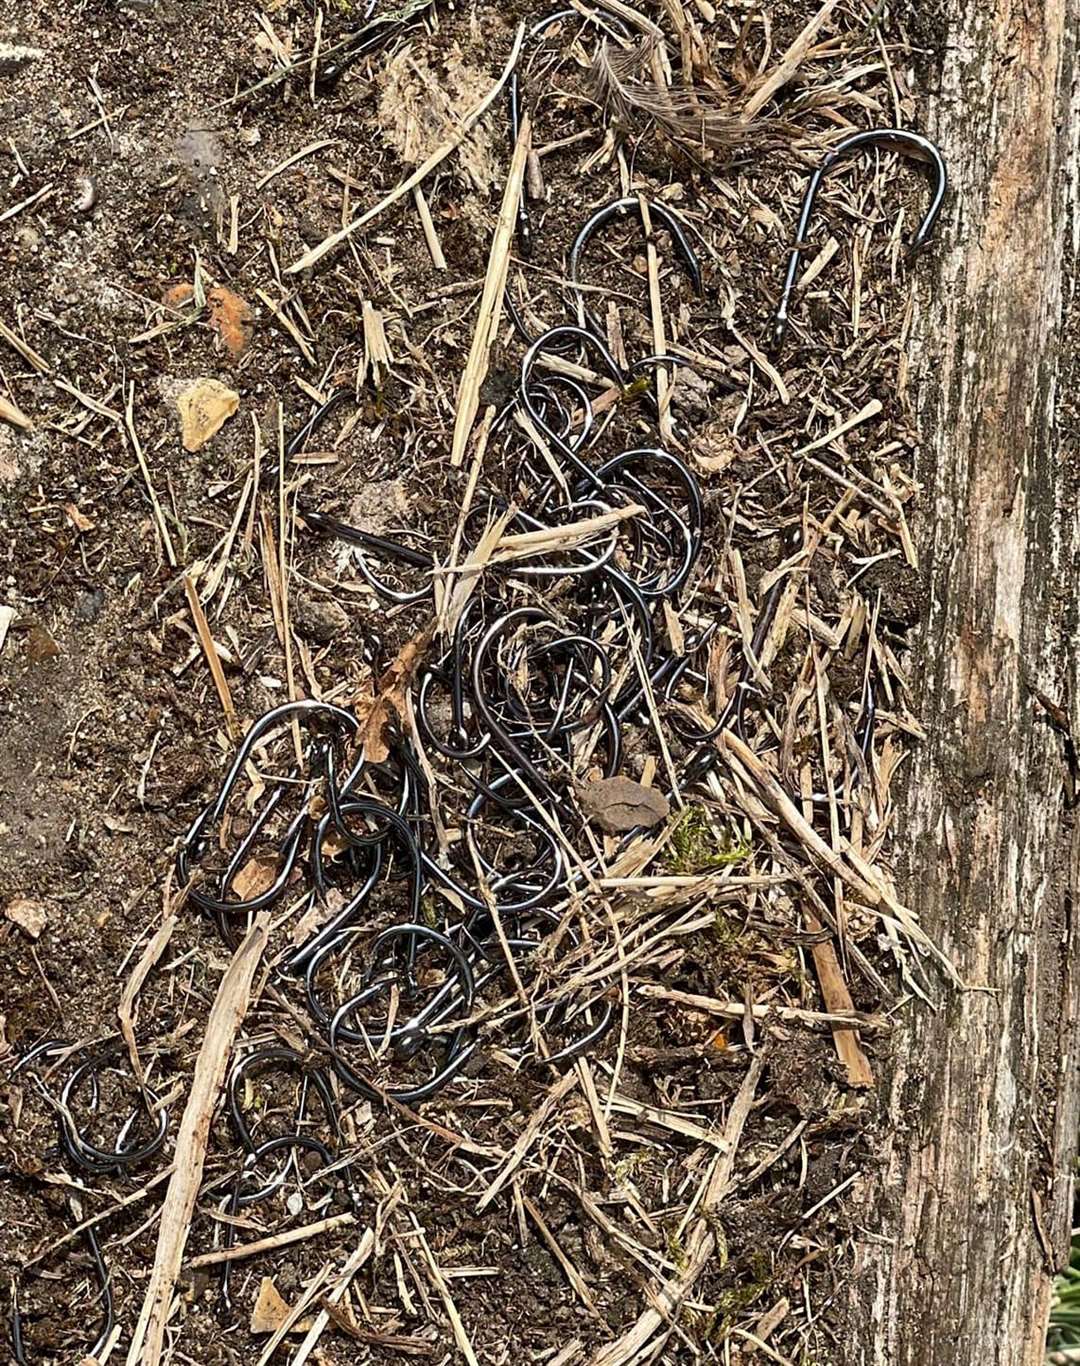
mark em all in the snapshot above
pixel 437 862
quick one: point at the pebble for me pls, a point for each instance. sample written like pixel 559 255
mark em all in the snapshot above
pixel 320 619
pixel 88 606
pixel 30 915
pixel 204 408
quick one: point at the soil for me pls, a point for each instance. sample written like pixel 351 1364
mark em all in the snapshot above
pixel 131 127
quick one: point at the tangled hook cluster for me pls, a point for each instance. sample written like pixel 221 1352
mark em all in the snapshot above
pixel 540 672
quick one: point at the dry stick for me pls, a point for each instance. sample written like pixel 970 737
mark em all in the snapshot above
pixel 278 310
pixel 159 516
pixel 314 1289
pixel 857 484
pixel 15 416
pixel 521 1147
pixel 360 1254
pixel 491 301
pixel 47 193
pixel 438 260
pixel 330 1312
pixel 39 363
pixel 283 580
pixel 588 1089
pixel 206 640
pixel 296 156
pixel 483 433
pixel 73 1233
pixel 837 998
pixel 847 1018
pixel 864 414
pixel 573 1275
pixel 790 63
pixel 421 173
pixel 845 863
pixel 659 338
pixel 548 540
pixel 461 1337
pixel 226 1014
pixel 267 1244
pixel 125 1010
pixel 624 11
pixel 834 988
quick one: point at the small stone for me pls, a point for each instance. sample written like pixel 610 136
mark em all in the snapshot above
pixel 320 619
pixel 176 296
pixel 88 606
pixel 205 407
pixel 617 805
pixel 31 916
pixel 231 318
pixel 379 506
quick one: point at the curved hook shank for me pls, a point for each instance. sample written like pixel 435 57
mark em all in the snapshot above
pixel 894 139
pixel 659 214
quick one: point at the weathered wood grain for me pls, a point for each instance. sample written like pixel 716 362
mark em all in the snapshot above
pixel 972 1202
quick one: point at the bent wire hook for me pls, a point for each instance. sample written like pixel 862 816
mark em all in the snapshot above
pixel 899 139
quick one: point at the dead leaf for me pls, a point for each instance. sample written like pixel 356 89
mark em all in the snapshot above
pixel 40 644
pixel 419 110
pixel 616 805
pixel 31 916
pixel 391 696
pixel 316 915
pixel 271 1311
pixel 232 319
pixel 256 876
pixel 78 519
pixel 205 407
pixel 713 464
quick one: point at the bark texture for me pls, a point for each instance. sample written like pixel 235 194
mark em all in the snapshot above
pixel 971 1208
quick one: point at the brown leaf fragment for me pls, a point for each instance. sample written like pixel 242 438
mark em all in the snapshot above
pixel 256 876
pixel 78 520
pixel 616 805
pixel 30 915
pixel 40 644
pixel 391 696
pixel 271 1311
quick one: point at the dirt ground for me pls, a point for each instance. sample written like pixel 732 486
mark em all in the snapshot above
pixel 141 178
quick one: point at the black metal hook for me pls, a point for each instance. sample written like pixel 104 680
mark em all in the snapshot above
pixel 914 144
